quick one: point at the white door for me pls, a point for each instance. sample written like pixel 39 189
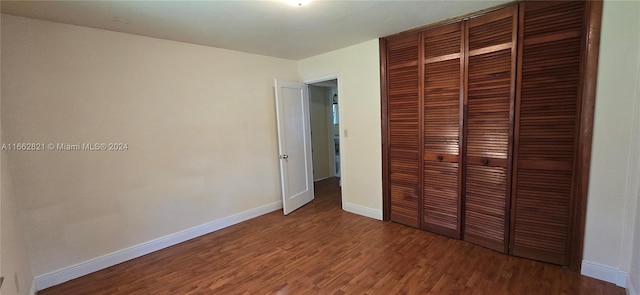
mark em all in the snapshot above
pixel 294 144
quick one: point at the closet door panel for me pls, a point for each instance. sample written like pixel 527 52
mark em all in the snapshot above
pixel 547 127
pixel 443 67
pixel 491 49
pixel 485 205
pixel 403 128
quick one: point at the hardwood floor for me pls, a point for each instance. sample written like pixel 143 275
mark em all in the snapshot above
pixel 320 249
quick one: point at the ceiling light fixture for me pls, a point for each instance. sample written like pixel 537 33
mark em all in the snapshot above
pixel 298 3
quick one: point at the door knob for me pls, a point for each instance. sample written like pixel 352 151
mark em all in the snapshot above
pixel 283 157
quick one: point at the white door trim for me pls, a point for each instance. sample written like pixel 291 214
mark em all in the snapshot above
pixel 327 77
pixel 330 138
pixel 333 76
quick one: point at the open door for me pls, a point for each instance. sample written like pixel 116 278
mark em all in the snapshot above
pixel 294 144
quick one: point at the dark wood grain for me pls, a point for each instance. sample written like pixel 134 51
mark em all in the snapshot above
pixel 491 66
pixel 442 127
pixel 526 157
pixel 321 249
pixel 548 124
pixel 421 115
pixel 384 111
pixel 403 128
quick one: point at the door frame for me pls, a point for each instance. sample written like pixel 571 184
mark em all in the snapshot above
pixel 332 147
pixel 328 77
pixel 330 125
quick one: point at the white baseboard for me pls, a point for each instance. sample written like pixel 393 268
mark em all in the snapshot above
pixel 362 210
pixel 84 268
pixel 605 273
pixel 631 290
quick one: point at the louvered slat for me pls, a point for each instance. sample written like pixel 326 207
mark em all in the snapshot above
pixel 546 129
pixel 441 192
pixel 490 96
pixel 403 128
pixel 485 206
pixel 488 105
pixel 442 129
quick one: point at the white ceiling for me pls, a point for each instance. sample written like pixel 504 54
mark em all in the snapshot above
pixel 272 28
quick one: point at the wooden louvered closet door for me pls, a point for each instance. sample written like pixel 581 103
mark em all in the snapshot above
pixel 443 69
pixel 548 96
pixel 487 125
pixel 491 60
pixel 403 128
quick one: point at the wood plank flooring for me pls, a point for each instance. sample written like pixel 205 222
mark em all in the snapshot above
pixel 320 249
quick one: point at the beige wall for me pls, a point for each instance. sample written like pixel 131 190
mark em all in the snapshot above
pixel 199 123
pixel 634 176
pixel 358 69
pixel 14 263
pixel 13 254
pixel 318 107
pixel 634 272
pixel 611 207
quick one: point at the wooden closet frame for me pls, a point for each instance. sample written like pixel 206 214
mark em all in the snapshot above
pixel 587 91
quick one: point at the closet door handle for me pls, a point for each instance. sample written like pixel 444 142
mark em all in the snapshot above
pixel 440 158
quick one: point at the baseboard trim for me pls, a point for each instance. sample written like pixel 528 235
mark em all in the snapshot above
pixel 84 268
pixel 631 290
pixel 605 273
pixel 362 210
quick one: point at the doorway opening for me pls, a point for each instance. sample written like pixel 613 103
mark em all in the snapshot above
pixel 324 115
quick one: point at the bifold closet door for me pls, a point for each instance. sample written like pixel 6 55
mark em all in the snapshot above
pixel 404 128
pixel 491 61
pixel 547 121
pixel 443 70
